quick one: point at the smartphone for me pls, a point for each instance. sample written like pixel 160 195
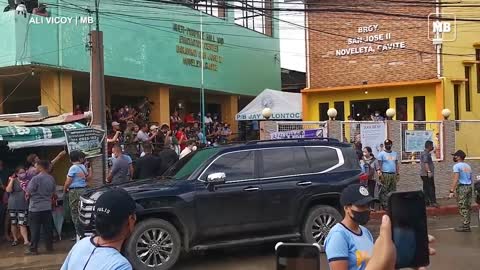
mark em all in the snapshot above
pixel 408 214
pixel 297 256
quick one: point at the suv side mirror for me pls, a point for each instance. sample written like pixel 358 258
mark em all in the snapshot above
pixel 216 178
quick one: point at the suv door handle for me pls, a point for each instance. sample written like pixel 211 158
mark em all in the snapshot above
pixel 305 183
pixel 251 189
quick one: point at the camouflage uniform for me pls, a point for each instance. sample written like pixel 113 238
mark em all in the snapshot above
pixel 74 203
pixel 389 184
pixel 464 200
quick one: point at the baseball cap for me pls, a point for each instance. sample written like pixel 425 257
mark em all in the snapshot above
pixel 115 123
pixel 115 206
pixel 388 141
pixel 356 194
pixel 460 153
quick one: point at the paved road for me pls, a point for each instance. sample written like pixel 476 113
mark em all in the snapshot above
pixel 459 251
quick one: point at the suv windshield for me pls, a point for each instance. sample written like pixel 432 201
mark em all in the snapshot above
pixel 185 167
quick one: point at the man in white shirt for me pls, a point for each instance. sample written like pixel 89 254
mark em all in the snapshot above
pixel 208 119
pixel 143 136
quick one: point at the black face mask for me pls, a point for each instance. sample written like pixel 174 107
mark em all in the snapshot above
pixel 455 159
pixel 361 218
pixel 388 147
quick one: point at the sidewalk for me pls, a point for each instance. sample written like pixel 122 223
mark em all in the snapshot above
pixel 447 207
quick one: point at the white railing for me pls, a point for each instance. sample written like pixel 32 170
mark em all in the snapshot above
pixel 300 125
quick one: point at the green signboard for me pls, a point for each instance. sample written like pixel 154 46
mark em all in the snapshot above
pixel 24 133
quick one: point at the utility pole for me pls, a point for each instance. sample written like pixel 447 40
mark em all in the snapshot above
pixel 97 97
pixel 202 89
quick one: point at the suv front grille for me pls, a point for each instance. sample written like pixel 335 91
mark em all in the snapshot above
pixel 86 208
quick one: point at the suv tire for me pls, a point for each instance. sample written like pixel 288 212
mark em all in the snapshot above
pixel 318 222
pixel 155 243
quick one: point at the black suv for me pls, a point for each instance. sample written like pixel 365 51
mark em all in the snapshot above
pixel 237 194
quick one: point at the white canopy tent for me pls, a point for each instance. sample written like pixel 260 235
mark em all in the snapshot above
pixel 284 106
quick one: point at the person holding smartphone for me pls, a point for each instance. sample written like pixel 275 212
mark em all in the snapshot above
pixel 77 178
pixel 349 244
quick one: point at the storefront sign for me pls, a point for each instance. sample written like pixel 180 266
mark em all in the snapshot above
pixel 415 139
pixel 275 116
pixel 299 134
pixel 87 140
pixel 190 44
pixel 373 135
pixel 25 134
pixel 370 41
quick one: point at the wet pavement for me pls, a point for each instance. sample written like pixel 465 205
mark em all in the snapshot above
pixel 459 251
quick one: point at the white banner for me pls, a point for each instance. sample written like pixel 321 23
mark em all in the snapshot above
pixel 373 135
pixel 415 139
pixel 297 134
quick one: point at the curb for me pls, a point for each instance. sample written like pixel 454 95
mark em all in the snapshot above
pixel 431 211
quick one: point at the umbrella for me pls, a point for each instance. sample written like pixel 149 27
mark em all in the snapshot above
pixel 58 220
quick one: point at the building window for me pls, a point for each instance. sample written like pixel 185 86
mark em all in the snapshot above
pixel 402 109
pixel 254 14
pixel 419 109
pixel 340 107
pixel 322 111
pixel 477 57
pixel 456 104
pixel 467 88
pixel 211 7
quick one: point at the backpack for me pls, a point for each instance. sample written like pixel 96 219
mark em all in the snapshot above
pixel 368 168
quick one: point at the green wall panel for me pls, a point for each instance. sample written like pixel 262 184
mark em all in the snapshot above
pixel 140 43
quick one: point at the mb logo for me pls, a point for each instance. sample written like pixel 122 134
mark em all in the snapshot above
pixel 442 27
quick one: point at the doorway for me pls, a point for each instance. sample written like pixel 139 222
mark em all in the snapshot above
pixel 362 110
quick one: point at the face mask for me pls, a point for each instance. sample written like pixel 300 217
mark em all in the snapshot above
pixel 377 114
pixel 361 218
pixel 21 175
pixel 455 159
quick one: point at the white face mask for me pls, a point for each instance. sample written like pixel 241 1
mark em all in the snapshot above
pixel 377 114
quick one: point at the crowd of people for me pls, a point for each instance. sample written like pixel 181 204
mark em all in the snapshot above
pixel 375 116
pixel 28 197
pixel 130 127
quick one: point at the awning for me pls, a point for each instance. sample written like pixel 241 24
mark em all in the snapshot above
pixel 28 136
pixel 284 106
pixel 34 119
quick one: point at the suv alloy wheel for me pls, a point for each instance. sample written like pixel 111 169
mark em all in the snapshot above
pixel 318 222
pixel 154 244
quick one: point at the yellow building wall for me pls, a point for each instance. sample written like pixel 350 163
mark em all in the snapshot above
pixel 56 92
pixel 311 100
pixel 456 55
pixel 161 109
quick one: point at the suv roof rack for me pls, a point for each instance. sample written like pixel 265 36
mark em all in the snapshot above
pixel 292 140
